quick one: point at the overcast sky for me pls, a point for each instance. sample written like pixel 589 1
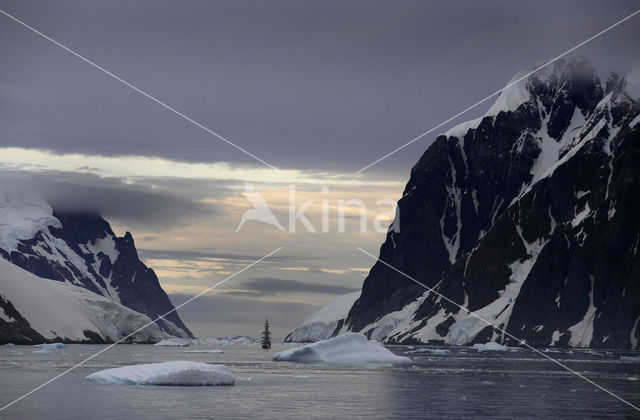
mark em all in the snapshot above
pixel 318 89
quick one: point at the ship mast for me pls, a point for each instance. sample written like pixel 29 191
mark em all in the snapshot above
pixel 266 336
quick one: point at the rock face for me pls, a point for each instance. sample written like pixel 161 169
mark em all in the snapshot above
pixel 83 250
pixel 527 216
pixel 35 310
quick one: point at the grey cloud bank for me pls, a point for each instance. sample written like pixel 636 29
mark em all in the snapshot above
pixel 305 85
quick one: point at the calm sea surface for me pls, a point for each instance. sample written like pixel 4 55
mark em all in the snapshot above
pixel 461 384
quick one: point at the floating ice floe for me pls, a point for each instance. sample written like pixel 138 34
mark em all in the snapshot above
pixel 179 373
pixel 430 351
pixel 174 342
pixel 490 346
pixel 226 341
pixel 630 358
pixel 42 351
pixel 350 348
pixel 210 351
pixel 51 346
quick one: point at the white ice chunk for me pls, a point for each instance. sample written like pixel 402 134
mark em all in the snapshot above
pixel 51 346
pixel 490 346
pixel 349 348
pixel 174 342
pixel 225 341
pixel 179 372
pixel 209 351
pixel 430 351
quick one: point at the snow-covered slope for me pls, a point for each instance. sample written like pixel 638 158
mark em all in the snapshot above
pixel 527 216
pixel 61 311
pixel 322 324
pixel 81 249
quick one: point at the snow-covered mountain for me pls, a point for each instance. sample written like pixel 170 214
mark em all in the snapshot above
pixel 323 324
pixel 82 250
pixel 527 216
pixel 33 309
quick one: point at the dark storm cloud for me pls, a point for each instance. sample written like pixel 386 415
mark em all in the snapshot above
pixel 332 84
pixel 110 197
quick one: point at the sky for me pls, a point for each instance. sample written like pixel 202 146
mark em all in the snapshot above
pixel 316 89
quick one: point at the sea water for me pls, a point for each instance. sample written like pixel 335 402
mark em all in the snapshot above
pixel 461 383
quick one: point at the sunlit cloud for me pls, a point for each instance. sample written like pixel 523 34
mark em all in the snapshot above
pixel 131 167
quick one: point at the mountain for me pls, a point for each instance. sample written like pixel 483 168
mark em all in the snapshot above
pixel 527 216
pixel 323 324
pixel 82 250
pixel 34 310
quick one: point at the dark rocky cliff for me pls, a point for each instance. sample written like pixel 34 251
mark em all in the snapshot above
pixel 528 216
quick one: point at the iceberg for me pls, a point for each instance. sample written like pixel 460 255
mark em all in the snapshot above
pixel 430 351
pixel 212 351
pixel 226 341
pixel 179 373
pixel 173 342
pixel 51 346
pixel 490 346
pixel 349 348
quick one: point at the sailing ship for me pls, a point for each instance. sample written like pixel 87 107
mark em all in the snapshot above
pixel 266 336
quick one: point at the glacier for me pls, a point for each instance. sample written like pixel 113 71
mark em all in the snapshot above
pixel 322 324
pixel 62 311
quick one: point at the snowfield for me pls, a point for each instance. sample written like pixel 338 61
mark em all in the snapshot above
pixel 22 215
pixel 322 324
pixel 178 373
pixel 58 310
pixel 349 348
